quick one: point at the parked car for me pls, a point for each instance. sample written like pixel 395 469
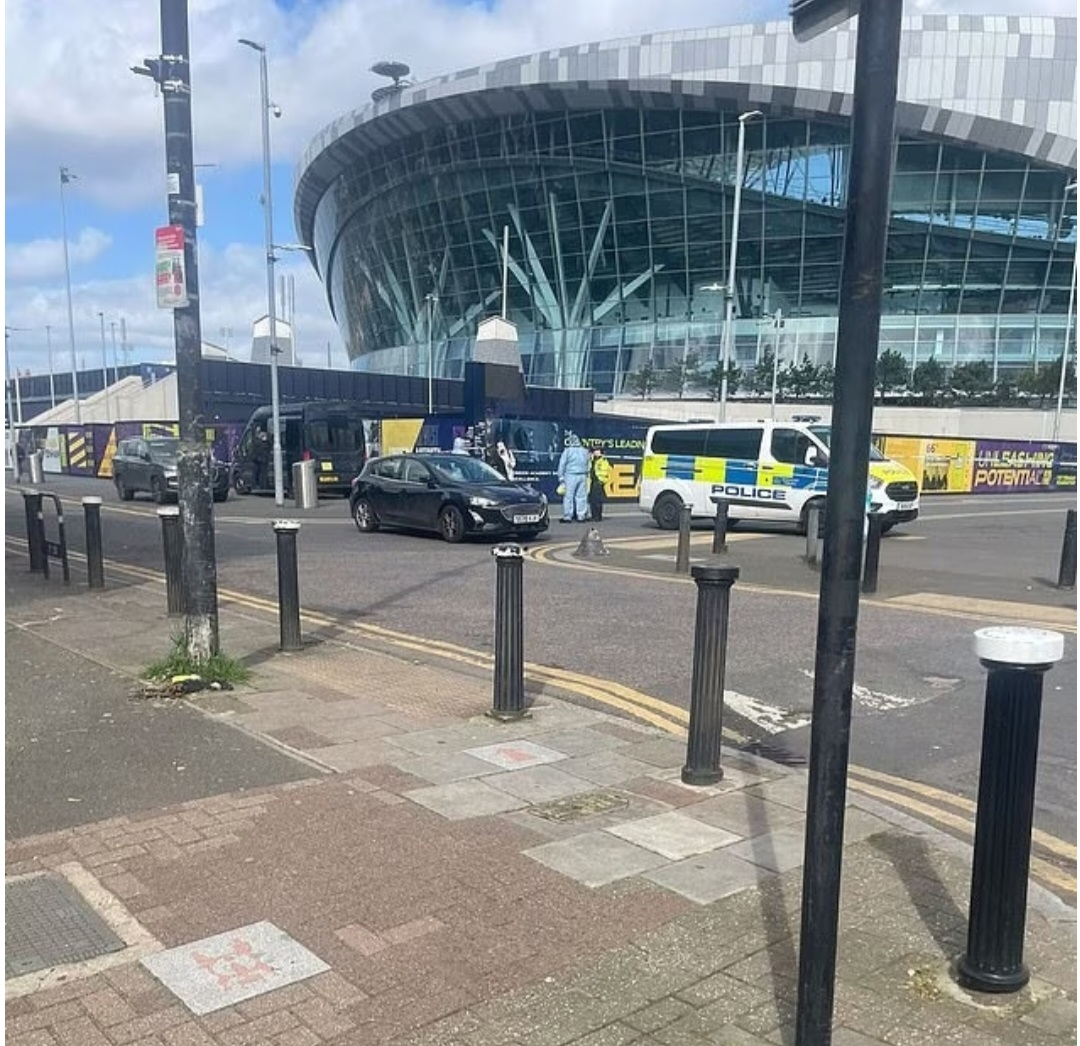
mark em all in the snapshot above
pixel 149 466
pixel 451 494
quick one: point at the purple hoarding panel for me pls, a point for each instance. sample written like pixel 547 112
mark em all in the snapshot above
pixel 1010 466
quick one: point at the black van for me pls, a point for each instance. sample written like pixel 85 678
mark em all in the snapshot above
pixel 330 433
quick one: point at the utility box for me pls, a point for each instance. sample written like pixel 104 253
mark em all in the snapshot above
pixel 37 467
pixel 305 489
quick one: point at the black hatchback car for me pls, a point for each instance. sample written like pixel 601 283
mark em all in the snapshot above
pixel 451 494
pixel 149 465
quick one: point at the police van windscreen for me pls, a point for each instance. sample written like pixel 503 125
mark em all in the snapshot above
pixel 335 434
pixel 824 433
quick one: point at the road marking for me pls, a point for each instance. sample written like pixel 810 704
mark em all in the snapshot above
pixel 671 542
pixel 768 717
pixel 1059 617
pixel 1048 842
pixel 1043 869
pixel 993 512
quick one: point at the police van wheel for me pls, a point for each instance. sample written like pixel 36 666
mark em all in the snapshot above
pixel 667 510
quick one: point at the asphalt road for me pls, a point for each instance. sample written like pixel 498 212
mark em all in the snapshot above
pixel 918 702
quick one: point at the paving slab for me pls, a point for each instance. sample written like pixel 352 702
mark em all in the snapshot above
pixel 743 814
pixel 595 858
pixel 539 784
pixel 515 754
pixel 709 877
pixel 777 851
pixel 458 800
pixel 673 835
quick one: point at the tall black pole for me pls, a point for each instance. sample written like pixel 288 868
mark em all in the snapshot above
pixel 874 111
pixel 172 72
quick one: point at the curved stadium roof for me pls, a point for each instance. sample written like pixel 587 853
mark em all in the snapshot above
pixel 1002 83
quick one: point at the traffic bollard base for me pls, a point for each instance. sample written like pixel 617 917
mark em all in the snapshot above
pixel 507 716
pixel 990 981
pixel 701 777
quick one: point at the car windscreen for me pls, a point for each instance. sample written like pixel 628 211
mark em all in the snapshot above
pixel 164 451
pixel 824 433
pixel 461 469
pixel 335 434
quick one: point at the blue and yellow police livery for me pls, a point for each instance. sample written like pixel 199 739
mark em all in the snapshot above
pixel 764 470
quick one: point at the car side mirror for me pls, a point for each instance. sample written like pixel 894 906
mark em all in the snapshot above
pixel 813 458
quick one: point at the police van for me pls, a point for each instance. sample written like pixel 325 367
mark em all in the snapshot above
pixel 765 470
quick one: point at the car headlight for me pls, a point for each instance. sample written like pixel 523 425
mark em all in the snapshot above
pixel 875 483
pixel 479 502
pixel 543 498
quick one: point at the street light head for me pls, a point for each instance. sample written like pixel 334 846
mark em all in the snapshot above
pixel 743 117
pixel 253 45
pixel 276 110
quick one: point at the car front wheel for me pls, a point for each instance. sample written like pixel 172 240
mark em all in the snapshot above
pixel 451 524
pixel 157 490
pixel 364 516
pixel 122 491
pixel 667 510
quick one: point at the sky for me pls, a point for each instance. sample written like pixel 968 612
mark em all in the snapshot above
pixel 72 101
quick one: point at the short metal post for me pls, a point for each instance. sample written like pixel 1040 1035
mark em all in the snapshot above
pixel 1067 567
pixel 719 537
pixel 95 560
pixel 682 551
pixel 172 539
pixel 288 584
pixel 873 553
pixel 35 531
pixel 509 683
pixel 707 683
pixel 1017 659
pixel 812 516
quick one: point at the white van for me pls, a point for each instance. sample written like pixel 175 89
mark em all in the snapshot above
pixel 774 470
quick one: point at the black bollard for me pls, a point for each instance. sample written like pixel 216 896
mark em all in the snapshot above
pixel 288 584
pixel 719 535
pixel 35 531
pixel 1017 659
pixel 172 540
pixel 707 684
pixel 873 553
pixel 682 550
pixel 1067 567
pixel 95 560
pixel 509 682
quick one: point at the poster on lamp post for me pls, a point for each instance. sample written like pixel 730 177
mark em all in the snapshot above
pixel 169 271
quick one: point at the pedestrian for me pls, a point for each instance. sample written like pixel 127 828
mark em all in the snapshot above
pixel 599 474
pixel 261 458
pixel 507 461
pixel 461 445
pixel 573 472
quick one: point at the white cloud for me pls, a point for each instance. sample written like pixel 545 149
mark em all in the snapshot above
pixel 43 259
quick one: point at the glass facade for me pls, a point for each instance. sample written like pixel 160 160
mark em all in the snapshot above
pixel 620 222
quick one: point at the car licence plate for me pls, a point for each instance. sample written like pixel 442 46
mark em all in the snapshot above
pixel 905 506
pixel 328 479
pixel 531 518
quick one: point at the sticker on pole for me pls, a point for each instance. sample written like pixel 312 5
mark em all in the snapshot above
pixel 169 269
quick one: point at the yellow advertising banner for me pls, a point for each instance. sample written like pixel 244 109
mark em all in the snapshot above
pixel 942 466
pixel 399 435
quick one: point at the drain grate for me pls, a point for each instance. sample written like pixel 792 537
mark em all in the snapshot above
pixel 48 923
pixel 578 807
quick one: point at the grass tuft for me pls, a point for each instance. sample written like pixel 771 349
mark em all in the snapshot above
pixel 216 669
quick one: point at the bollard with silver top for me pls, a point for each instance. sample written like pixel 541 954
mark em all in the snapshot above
pixel 1016 659
pixel 1067 563
pixel 872 556
pixel 36 461
pixel 682 550
pixel 707 682
pixel 720 526
pixel 509 682
pixel 95 559
pixel 172 541
pixel 305 484
pixel 815 532
pixel 288 584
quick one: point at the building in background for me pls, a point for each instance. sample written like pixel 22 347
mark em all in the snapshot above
pixel 260 341
pixel 613 165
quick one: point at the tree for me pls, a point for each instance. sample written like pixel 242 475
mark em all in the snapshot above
pixel 683 374
pixel 892 371
pixel 759 381
pixel 1046 381
pixel 929 379
pixel 972 379
pixel 826 377
pixel 643 382
pixel 801 380
pixel 711 381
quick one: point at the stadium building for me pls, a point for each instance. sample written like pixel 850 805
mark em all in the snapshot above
pixel 613 166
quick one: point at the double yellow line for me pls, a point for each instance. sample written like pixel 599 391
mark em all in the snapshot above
pixel 950 811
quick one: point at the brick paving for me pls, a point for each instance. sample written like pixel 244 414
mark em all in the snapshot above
pixel 451 897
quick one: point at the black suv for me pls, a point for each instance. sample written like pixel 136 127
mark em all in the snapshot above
pixel 149 465
pixel 451 494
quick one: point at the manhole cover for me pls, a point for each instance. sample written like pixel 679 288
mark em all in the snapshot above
pixel 48 923
pixel 578 807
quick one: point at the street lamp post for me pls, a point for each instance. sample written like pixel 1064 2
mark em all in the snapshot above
pixel 778 326
pixel 729 296
pixel 432 300
pixel 48 350
pixel 104 367
pixel 271 307
pixel 1071 187
pixel 65 177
